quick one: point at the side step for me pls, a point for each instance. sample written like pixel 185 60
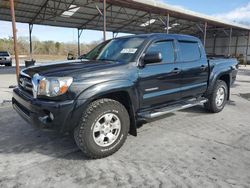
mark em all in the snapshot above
pixel 172 108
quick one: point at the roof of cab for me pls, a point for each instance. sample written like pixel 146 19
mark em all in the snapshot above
pixel 160 35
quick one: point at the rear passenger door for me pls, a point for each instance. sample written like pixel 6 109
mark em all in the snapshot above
pixel 159 83
pixel 194 68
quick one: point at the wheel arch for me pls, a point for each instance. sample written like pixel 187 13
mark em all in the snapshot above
pixel 121 91
pixel 226 79
pixel 124 98
pixel 224 76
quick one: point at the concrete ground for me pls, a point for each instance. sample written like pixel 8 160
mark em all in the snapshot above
pixel 189 148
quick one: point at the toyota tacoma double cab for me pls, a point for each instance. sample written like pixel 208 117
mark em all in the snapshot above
pixel 121 84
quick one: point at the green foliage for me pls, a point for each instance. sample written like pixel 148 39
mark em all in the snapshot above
pixel 44 47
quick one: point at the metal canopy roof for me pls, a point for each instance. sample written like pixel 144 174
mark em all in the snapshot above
pixel 127 16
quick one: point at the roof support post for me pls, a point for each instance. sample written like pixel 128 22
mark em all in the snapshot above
pixel 230 40
pixel 247 47
pixel 12 10
pixel 168 24
pixel 30 40
pixel 104 20
pixel 205 35
pixel 236 46
pixel 149 26
pixel 214 44
pixel 79 33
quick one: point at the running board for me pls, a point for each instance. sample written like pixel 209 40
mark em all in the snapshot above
pixel 163 111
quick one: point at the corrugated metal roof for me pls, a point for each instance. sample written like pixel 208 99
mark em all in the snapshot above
pixel 184 13
pixel 125 16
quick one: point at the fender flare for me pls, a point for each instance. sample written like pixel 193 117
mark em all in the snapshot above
pixel 215 76
pixel 104 88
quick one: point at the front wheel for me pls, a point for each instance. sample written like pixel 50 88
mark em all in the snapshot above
pixel 103 128
pixel 217 100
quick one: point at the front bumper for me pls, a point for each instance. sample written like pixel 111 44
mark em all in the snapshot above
pixel 38 112
pixel 2 62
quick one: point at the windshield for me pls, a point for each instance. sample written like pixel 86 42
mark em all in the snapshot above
pixel 4 54
pixel 93 54
pixel 120 49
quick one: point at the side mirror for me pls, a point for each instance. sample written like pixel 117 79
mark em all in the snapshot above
pixel 152 57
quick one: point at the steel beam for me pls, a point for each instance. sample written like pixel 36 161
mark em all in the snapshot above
pixel 247 47
pixel 12 10
pixel 44 5
pixel 168 23
pixel 199 27
pixel 236 45
pixel 30 40
pixel 79 33
pixel 214 44
pixel 205 35
pixel 229 42
pixel 104 19
pixel 130 22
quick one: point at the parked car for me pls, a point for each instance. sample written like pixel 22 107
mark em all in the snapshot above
pixel 5 58
pixel 130 81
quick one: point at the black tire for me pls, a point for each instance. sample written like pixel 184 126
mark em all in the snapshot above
pixel 211 105
pixel 83 133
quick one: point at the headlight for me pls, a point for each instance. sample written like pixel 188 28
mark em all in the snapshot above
pixel 53 86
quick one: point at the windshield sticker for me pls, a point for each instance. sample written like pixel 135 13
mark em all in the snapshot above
pixel 128 50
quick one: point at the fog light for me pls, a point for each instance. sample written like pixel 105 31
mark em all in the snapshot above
pixel 51 116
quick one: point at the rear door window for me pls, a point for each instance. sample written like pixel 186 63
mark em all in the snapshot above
pixel 189 51
pixel 166 48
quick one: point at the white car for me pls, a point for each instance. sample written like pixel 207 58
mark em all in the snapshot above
pixel 5 58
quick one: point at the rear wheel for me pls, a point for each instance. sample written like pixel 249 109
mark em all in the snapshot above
pixel 103 128
pixel 217 100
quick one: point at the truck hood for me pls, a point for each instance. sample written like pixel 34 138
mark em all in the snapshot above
pixel 69 68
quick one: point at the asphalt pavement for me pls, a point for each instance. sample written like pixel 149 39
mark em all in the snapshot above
pixel 189 148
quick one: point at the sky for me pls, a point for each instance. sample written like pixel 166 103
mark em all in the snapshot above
pixel 232 10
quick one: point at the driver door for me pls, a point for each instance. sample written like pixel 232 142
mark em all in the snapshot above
pixel 160 83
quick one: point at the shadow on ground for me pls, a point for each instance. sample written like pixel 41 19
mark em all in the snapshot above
pixel 245 96
pixel 20 138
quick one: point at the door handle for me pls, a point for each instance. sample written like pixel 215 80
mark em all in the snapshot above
pixel 176 71
pixel 203 67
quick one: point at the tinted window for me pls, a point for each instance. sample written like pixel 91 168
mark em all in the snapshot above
pixel 121 49
pixel 93 54
pixel 3 53
pixel 166 48
pixel 189 51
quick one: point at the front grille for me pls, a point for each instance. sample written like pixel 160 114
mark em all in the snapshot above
pixel 25 84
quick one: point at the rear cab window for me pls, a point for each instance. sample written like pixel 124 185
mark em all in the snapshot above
pixel 189 51
pixel 166 48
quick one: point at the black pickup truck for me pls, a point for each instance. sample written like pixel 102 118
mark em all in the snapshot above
pixel 121 84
